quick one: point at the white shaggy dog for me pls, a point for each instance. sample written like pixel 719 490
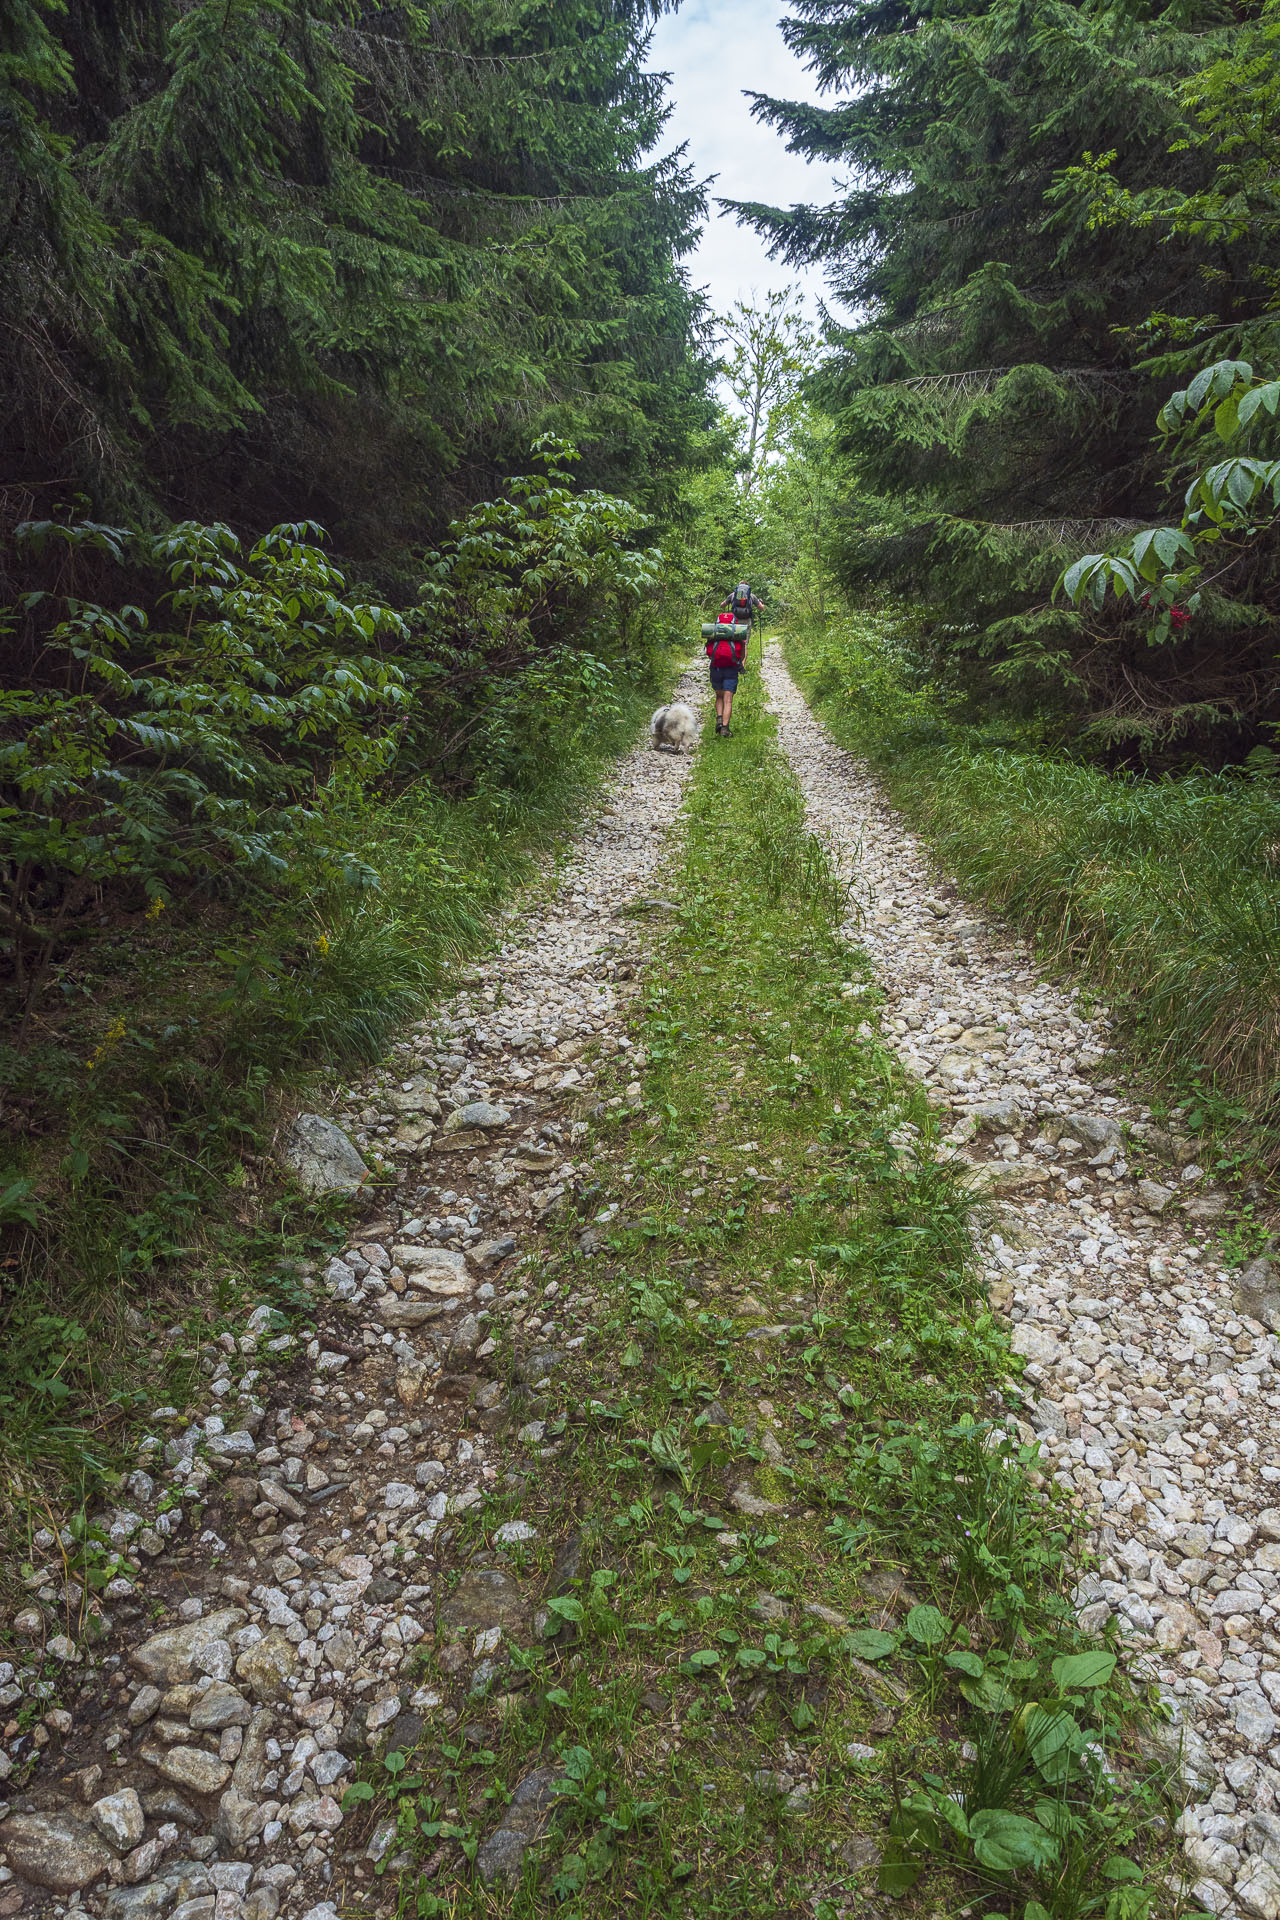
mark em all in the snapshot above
pixel 674 729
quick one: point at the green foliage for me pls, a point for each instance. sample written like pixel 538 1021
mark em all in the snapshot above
pixel 993 396
pixel 1230 510
pixel 345 259
pixel 1231 107
pixel 769 350
pixel 212 731
pixel 516 610
pixel 229 729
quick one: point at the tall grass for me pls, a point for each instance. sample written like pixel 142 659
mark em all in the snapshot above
pixel 1164 891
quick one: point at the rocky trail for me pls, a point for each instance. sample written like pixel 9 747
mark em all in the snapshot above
pixel 180 1743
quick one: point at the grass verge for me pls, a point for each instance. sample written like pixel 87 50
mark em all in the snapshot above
pixel 139 1201
pixel 1164 891
pixel 805 1636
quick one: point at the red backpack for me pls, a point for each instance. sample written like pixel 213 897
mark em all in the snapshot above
pixel 726 649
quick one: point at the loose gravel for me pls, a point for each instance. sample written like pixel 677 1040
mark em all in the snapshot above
pixel 1152 1370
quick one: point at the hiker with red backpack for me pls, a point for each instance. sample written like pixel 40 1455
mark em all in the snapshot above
pixel 726 648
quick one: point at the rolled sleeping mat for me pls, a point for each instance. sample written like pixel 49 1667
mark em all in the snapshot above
pixel 736 630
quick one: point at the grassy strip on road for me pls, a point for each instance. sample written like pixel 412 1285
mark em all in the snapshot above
pixel 807 1592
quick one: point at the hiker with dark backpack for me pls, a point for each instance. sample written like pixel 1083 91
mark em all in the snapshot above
pixel 726 649
pixel 742 603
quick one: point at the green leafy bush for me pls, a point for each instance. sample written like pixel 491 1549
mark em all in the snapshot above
pixel 205 736
pixel 1230 508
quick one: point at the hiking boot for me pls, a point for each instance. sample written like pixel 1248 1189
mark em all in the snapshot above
pixel 727 732
pixel 719 724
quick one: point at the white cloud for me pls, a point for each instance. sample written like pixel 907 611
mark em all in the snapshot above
pixel 714 50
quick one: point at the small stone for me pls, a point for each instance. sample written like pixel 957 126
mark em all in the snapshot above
pixel 328 1767
pixel 861 1853
pixel 189 1767
pixel 500 1858
pixel 437 1270
pixel 491 1253
pixel 467 1335
pixel 143 1706
pixel 1213 1859
pixel 414 1384
pixel 399 1496
pixel 416 1099
pixel 143 1861
pixel 394 1312
pixel 1035 1343
pixel 252 1763
pixel 744 1501
pixel 165 1803
pixel 1153 1196
pixel 231 1876
pixel 1257 1294
pixel 999 1116
pixel 321 1156
pixel 315 1815
pixel 382 1713
pixel 383 1835
pixel 119 1819
pixel 279 1497
pixel 140 1903
pixel 221 1706
pixel 1255 1723
pixel 1185 1753
pixel 340 1279
pixel 88 1780
pixel 1258 1890
pixel 54 1850
pixel 238 1819
pixel 341 1653
pixel 477 1113
pixel 1175 1626
pixel 483 1598
pixel 1262 1835
pixel 514 1533
pixel 176 1653
pixel 267 1667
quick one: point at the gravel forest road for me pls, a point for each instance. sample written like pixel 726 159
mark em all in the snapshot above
pixel 291 1544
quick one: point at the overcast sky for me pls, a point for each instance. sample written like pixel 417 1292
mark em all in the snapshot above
pixel 713 50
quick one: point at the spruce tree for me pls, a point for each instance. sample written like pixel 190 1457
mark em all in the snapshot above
pixel 266 261
pixel 995 389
